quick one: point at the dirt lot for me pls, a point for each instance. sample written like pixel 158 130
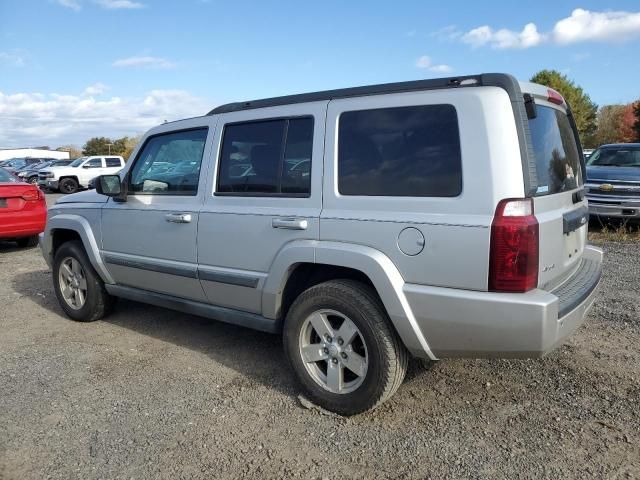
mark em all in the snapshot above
pixel 150 393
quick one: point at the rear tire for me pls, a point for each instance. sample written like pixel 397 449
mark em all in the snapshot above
pixel 28 242
pixel 336 307
pixel 79 289
pixel 68 185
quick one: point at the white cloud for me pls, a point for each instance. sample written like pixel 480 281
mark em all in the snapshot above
pixel 12 59
pixel 117 4
pixel 425 62
pixel 145 62
pixel 72 4
pixel 504 38
pixel 581 26
pixel 95 89
pixel 55 119
pixel 450 32
pixel 108 4
pixel 584 26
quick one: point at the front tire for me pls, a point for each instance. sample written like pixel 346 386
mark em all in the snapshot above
pixel 340 343
pixel 68 185
pixel 79 289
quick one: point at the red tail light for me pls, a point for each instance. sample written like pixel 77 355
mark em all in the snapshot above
pixel 33 195
pixel 554 97
pixel 513 259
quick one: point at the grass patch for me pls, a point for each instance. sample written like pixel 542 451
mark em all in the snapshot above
pixel 602 231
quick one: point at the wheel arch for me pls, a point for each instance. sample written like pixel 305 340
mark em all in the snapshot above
pixel 66 227
pixel 301 264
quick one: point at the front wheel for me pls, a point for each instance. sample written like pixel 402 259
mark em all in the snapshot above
pixel 68 185
pixel 340 343
pixel 33 180
pixel 79 289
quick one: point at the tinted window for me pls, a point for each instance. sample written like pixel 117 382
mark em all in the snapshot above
pixel 94 163
pixel 169 164
pixel 616 156
pixel 556 151
pixel 267 157
pixel 6 176
pixel 113 162
pixel 404 151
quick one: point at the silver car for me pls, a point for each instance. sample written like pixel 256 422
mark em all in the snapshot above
pixel 435 218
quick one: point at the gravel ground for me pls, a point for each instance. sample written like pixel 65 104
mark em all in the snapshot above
pixel 150 393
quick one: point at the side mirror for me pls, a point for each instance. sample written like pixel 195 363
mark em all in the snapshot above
pixel 109 185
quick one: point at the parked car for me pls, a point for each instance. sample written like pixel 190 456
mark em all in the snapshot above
pixel 435 218
pixel 613 181
pixel 23 210
pixel 17 164
pixel 76 175
pixel 29 173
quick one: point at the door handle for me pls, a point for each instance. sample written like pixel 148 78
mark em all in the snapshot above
pixel 178 217
pixel 290 223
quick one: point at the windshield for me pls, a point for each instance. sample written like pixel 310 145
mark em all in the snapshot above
pixel 556 152
pixel 77 162
pixel 6 176
pixel 615 157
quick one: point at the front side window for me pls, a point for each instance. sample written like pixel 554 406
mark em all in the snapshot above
pixel 400 152
pixel 267 157
pixel 93 163
pixel 169 164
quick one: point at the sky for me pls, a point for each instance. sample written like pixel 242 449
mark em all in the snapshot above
pixel 73 69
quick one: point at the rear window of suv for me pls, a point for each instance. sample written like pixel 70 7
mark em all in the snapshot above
pixel 556 152
pixel 400 152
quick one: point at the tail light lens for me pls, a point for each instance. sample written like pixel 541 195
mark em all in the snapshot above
pixel 513 259
pixel 33 195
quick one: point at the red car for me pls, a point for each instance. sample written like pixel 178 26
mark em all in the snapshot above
pixel 23 210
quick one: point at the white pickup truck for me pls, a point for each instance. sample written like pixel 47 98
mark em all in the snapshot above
pixel 70 178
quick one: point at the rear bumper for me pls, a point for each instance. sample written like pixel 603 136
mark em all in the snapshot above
pixel 23 224
pixel 463 323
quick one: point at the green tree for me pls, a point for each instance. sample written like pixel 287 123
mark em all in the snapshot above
pixel 584 110
pixel 104 146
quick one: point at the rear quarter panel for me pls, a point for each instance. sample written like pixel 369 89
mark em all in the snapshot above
pixel 456 230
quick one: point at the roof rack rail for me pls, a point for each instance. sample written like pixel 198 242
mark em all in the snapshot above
pixel 496 79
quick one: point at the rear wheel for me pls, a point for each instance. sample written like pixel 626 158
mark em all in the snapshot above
pixel 68 185
pixel 31 241
pixel 79 289
pixel 340 343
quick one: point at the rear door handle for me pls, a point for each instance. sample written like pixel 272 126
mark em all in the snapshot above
pixel 290 223
pixel 178 217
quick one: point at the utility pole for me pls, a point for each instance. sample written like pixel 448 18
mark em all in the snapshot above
pixel 109 145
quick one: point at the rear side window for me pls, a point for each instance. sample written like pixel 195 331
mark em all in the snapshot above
pixel 401 152
pixel 556 152
pixel 113 162
pixel 270 157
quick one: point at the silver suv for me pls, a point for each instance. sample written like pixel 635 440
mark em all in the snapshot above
pixel 435 218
